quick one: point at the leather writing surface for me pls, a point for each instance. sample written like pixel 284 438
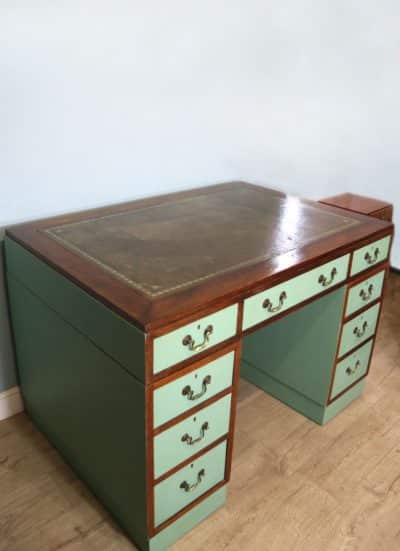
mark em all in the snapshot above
pixel 177 244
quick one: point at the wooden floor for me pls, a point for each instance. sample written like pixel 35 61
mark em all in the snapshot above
pixel 295 486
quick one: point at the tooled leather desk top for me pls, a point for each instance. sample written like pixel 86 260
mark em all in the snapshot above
pixel 183 242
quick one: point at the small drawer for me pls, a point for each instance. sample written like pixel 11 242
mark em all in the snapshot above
pixel 365 292
pixel 351 369
pixel 359 329
pixel 180 489
pixel 188 340
pixel 190 390
pixel 178 443
pixel 271 302
pixel 369 255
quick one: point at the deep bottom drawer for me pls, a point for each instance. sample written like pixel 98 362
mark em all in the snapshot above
pixel 182 488
pixel 351 369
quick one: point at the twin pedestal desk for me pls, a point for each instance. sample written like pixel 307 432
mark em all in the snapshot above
pixel 132 324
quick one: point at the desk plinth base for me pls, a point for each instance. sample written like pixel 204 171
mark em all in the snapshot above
pixel 321 414
pixel 189 520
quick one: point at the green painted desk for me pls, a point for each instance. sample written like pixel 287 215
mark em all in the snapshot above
pixel 132 322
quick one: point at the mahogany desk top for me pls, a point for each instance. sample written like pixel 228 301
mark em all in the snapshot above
pixel 159 259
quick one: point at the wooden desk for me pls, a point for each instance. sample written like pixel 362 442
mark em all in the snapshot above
pixel 131 323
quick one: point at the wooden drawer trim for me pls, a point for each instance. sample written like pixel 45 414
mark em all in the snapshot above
pixel 192 458
pixel 229 438
pixel 220 448
pixel 358 262
pixel 180 344
pixel 374 312
pixel 285 296
pixel 364 348
pixel 359 281
pixel 222 364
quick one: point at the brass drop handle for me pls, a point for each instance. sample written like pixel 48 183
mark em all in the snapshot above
pixel 190 440
pixel 189 393
pixel 372 259
pixel 324 281
pixel 366 295
pixel 351 371
pixel 191 343
pixel 190 487
pixel 361 332
pixel 268 304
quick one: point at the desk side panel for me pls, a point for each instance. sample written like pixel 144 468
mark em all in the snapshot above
pixel 109 331
pixel 299 350
pixel 89 407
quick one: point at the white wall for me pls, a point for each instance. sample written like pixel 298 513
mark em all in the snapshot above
pixel 104 101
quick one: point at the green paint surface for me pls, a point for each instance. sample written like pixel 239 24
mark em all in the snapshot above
pixel 338 405
pixel 359 263
pixel 170 449
pixel 169 497
pixel 299 350
pixel 349 338
pixel 186 522
pixel 109 331
pixel 168 400
pixel 356 302
pixel 316 412
pixel 343 379
pixel 297 289
pixel 90 408
pixel 169 349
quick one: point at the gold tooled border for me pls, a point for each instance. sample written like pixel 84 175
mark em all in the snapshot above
pixel 52 232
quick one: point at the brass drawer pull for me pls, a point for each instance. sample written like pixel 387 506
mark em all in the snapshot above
pixel 191 343
pixel 189 393
pixel 324 281
pixel 190 487
pixel 372 259
pixel 190 440
pixel 268 304
pixel 361 332
pixel 351 371
pixel 367 295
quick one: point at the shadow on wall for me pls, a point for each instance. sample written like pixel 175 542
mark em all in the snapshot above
pixel 8 377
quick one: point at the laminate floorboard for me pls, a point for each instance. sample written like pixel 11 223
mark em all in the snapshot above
pixel 295 486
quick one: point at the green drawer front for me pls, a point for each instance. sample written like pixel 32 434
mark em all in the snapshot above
pixel 351 368
pixel 170 349
pixel 179 490
pixel 188 437
pixel 369 255
pixel 365 292
pixel 359 329
pixel 292 292
pixel 205 382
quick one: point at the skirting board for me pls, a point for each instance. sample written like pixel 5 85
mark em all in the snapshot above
pixel 10 402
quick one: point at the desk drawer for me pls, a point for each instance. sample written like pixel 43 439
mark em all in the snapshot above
pixel 188 340
pixel 271 302
pixel 180 489
pixel 190 390
pixel 365 292
pixel 351 369
pixel 178 443
pixel 359 329
pixel 369 255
